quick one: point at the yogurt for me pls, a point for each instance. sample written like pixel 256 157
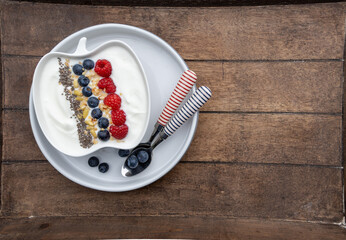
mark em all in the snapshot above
pixel 56 117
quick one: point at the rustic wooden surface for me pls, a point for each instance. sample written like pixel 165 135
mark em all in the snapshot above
pixel 183 3
pixel 162 227
pixel 273 167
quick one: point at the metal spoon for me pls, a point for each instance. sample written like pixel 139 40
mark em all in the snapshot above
pixel 186 81
pixel 197 100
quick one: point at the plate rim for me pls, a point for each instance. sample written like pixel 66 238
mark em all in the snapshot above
pixel 150 180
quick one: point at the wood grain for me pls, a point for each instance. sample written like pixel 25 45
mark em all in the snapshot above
pixel 271 32
pixel 1 101
pixel 283 166
pixel 284 138
pixel 307 193
pixel 182 3
pixel 284 86
pixel 18 140
pixel 245 86
pixel 344 135
pixel 17 84
pixel 272 86
pixel 267 138
pixel 167 227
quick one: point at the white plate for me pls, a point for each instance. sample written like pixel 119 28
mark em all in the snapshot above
pixel 158 59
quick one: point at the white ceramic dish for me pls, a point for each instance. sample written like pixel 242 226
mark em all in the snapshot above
pixel 158 60
pixel 47 93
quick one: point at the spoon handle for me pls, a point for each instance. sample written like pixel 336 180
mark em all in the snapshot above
pixel 197 100
pixel 180 91
pixel 186 81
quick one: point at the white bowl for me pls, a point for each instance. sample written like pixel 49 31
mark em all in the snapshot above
pixel 56 132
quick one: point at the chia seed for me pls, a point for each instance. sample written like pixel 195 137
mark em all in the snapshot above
pixel 84 135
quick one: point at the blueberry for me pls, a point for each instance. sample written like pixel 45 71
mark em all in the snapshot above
pixel 93 162
pixel 123 153
pixel 103 167
pixel 83 81
pixel 103 122
pixel 78 69
pixel 96 113
pixel 103 135
pixel 88 64
pixel 132 162
pixel 87 91
pixel 93 102
pixel 142 156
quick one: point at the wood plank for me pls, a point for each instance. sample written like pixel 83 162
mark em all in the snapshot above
pixel 18 139
pixel 183 3
pixel 284 86
pixel 267 138
pixel 257 138
pixel 1 99
pixel 260 191
pixel 270 32
pixel 166 227
pixel 17 84
pixel 245 86
pixel 344 134
pixel 272 86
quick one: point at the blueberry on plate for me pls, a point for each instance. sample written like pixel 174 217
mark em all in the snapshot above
pixel 132 162
pixel 103 167
pixel 142 156
pixel 78 69
pixel 103 122
pixel 96 113
pixel 93 162
pixel 88 64
pixel 123 153
pixel 87 91
pixel 93 102
pixel 103 135
pixel 83 81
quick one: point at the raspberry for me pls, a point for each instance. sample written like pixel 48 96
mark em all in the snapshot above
pixel 111 88
pixel 119 132
pixel 108 84
pixel 103 83
pixel 113 100
pixel 103 68
pixel 118 117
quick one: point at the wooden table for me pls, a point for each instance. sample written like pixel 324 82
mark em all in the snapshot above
pixel 267 158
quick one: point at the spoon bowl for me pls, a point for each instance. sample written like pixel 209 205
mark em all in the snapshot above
pixel 127 171
pixel 196 101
